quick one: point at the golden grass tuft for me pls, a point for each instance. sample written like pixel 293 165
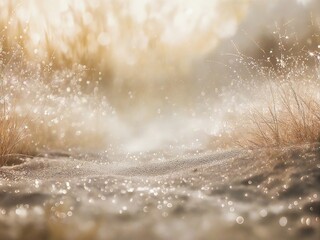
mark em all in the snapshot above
pixel 13 139
pixel 291 117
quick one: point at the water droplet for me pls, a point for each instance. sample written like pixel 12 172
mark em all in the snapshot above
pixel 240 220
pixel 21 212
pixel 283 221
pixel 308 221
pixel 263 213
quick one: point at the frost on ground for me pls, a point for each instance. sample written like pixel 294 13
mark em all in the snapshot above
pixel 251 195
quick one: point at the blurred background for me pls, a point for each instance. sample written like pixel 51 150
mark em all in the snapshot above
pixel 143 75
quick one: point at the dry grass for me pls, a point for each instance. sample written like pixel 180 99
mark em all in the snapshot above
pixel 292 116
pixel 13 139
pixel 14 131
pixel 285 91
